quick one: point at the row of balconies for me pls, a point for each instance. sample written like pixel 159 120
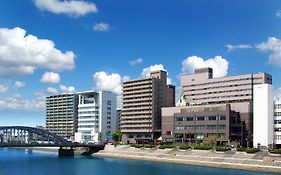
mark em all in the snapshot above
pixel 137 95
pixel 134 112
pixel 139 90
pixel 229 80
pixel 137 83
pixel 137 108
pixel 146 103
pixel 224 98
pixel 217 92
pixel 136 118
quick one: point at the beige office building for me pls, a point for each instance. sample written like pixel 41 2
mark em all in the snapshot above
pixel 62 114
pixel 201 88
pixel 142 103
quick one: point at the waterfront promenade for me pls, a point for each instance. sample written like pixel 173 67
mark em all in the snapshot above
pixel 236 160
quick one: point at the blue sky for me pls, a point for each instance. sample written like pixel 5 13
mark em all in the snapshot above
pixel 55 46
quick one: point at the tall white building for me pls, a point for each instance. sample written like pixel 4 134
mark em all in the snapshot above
pixel 277 123
pixel 96 116
pixel 262 118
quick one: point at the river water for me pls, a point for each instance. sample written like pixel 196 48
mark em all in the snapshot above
pixel 28 162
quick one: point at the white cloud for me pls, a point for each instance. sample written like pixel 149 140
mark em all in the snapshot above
pixel 108 82
pixel 22 54
pixel 16 95
pixel 218 64
pixel 272 45
pixel 136 61
pixel 125 78
pixel 19 84
pixel 277 94
pixel 3 89
pixel 146 71
pixel 67 89
pixel 239 46
pixel 52 90
pixel 169 81
pixel 16 103
pixel 101 27
pixel 278 13
pixel 50 77
pixel 70 7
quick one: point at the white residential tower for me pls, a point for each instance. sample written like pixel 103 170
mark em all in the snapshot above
pixel 96 116
pixel 262 118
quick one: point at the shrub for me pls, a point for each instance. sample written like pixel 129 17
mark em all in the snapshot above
pixel 221 148
pixel 248 150
pixel 166 146
pixel 199 147
pixel 148 146
pixel 252 150
pixel 275 151
pixel 184 147
pixel 138 146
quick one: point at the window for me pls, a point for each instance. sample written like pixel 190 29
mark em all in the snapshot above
pixel 200 127
pixel 211 126
pixel 109 122
pixel 221 126
pixel 200 118
pixel 277 113
pixel 189 118
pixel 109 108
pixel 222 117
pixel 179 127
pixel 212 117
pixel 277 121
pixel 169 133
pixel 179 119
pixel 188 127
pixel 277 137
pixel 109 102
pixel 108 127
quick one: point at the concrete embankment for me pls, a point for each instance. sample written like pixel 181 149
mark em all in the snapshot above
pixel 77 151
pixel 236 160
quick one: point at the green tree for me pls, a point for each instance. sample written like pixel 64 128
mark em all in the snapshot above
pixel 117 136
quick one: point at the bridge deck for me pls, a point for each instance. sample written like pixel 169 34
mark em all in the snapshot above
pixel 49 145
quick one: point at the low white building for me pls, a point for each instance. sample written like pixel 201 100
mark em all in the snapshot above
pixel 277 123
pixel 262 118
pixel 96 116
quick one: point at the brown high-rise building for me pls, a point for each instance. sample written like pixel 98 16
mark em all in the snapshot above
pixel 142 103
pixel 62 114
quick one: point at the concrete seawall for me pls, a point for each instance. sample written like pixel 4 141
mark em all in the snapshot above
pixel 235 160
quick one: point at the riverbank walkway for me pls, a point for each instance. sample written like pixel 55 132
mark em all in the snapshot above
pixel 261 161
